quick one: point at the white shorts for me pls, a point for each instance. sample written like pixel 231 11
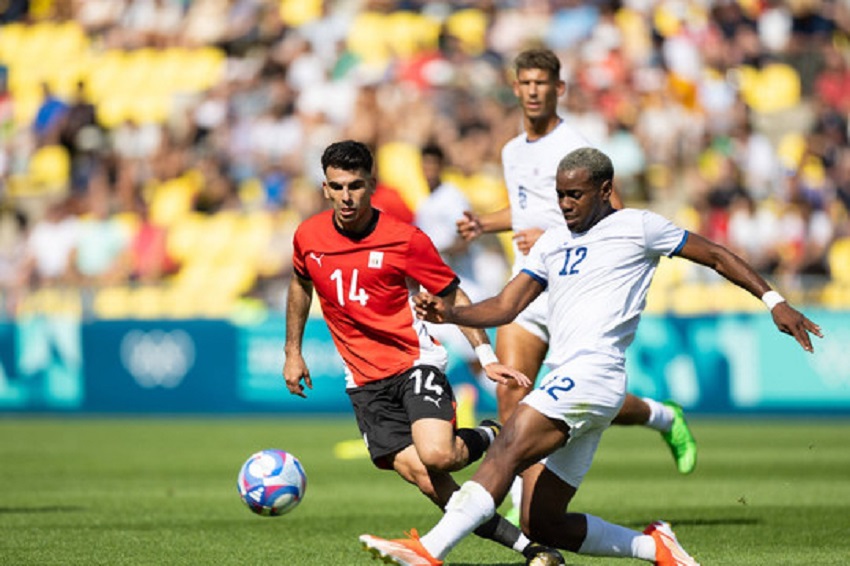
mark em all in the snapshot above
pixel 535 317
pixel 587 400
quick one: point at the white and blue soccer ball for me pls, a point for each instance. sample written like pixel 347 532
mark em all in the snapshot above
pixel 272 482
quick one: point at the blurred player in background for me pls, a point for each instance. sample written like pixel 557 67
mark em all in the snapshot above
pixel 598 267
pixel 437 216
pixel 361 263
pixel 530 161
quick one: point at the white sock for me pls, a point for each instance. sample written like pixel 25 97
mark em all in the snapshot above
pixel 521 543
pixel 516 492
pixel 660 415
pixel 467 508
pixel 608 539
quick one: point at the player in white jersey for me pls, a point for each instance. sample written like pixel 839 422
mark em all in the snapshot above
pixel 598 269
pixel 436 216
pixel 530 161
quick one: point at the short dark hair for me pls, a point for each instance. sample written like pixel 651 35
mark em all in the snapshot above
pixel 598 164
pixel 348 155
pixel 544 59
pixel 433 150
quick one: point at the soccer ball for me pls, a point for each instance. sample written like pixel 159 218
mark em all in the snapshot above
pixel 272 482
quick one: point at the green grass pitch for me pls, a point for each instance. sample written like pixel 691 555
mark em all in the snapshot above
pixel 151 491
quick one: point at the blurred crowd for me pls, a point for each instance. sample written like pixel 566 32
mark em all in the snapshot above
pixel 158 154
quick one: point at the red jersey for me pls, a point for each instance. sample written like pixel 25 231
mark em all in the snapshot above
pixel 362 281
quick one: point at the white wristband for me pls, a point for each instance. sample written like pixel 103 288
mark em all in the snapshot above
pixel 771 299
pixel 486 355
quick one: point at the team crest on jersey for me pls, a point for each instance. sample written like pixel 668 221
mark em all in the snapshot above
pixel 376 260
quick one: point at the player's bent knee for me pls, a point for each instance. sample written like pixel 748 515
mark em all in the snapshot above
pixel 438 459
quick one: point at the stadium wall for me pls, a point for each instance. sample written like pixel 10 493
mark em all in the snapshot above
pixel 720 364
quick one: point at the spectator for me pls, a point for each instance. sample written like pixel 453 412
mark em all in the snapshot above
pixel 49 246
pixel 49 118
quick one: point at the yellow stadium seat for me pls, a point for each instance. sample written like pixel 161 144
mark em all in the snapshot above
pixel 836 295
pixel 11 39
pixel 470 27
pixel 727 297
pixel 366 39
pixel 112 302
pixel 250 238
pixel 171 66
pixel 296 13
pixel 792 147
pixel 221 229
pixel 147 302
pixel 691 298
pixel 173 199
pixel 28 98
pixel 666 21
pixel 232 280
pixel 150 108
pixel 774 88
pixel 409 33
pixel 185 236
pixel 49 168
pixel 399 165
pixel 485 192
pixel 657 299
pixel 838 259
pixel 204 70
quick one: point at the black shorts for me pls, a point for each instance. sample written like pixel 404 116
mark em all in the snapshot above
pixel 385 409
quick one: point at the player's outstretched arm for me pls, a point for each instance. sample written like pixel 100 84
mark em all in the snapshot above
pixel 473 225
pixel 787 319
pixel 433 308
pixel 297 310
pixel 489 313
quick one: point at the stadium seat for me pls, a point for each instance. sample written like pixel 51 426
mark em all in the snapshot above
pixel 470 27
pixel 484 191
pixel 409 33
pixel 112 302
pixel 691 298
pixel 366 39
pixel 774 88
pixel 296 13
pixel 49 169
pixel 11 41
pixel 147 302
pixel 399 165
pixel 836 295
pixel 838 259
pixel 173 199
pixel 185 236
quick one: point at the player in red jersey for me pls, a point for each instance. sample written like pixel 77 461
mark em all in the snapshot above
pixel 363 264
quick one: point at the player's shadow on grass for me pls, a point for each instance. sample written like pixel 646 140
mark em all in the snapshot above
pixel 46 509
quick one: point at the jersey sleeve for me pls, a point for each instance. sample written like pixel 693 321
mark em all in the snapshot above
pixel 426 267
pixel 535 265
pixel 662 237
pixel 298 265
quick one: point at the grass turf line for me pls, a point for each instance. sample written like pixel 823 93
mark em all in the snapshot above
pixel 156 491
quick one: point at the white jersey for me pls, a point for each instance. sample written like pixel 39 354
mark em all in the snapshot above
pixel 597 282
pixel 530 168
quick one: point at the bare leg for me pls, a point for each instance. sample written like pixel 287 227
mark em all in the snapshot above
pixel 634 411
pixel 522 350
